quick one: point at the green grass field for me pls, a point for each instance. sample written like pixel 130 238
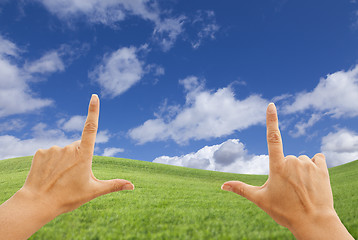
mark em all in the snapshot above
pixel 174 203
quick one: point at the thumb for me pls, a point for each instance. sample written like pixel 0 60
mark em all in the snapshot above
pixel 245 190
pixel 114 185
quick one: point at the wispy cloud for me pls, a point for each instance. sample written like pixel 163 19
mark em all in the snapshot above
pixel 118 71
pixel 302 126
pixel 48 63
pixel 12 125
pixel 206 114
pixel 75 123
pixel 229 156
pixel 167 31
pixel 101 11
pixel 166 28
pixel 8 48
pixel 112 151
pixel 206 27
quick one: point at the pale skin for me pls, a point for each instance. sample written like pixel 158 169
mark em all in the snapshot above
pixel 60 180
pixel 297 193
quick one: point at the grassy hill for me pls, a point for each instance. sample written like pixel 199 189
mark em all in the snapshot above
pixel 173 203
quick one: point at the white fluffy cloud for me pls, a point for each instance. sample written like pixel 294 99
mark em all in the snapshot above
pixel 103 136
pixel 41 137
pixel 111 152
pixel 15 94
pixel 118 71
pixel 206 114
pixel 75 123
pixel 335 95
pixel 229 156
pixel 340 147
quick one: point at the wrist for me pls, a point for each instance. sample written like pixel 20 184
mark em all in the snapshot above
pixel 23 214
pixel 35 205
pixel 322 225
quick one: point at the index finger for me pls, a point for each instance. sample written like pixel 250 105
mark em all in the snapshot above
pixel 90 129
pixel 274 141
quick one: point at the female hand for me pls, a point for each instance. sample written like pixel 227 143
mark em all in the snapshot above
pixel 297 194
pixel 60 180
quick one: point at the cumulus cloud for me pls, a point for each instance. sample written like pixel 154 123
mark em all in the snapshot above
pixel 229 156
pixel 111 152
pixel 118 71
pixel 206 114
pixel 335 95
pixel 15 94
pixel 340 147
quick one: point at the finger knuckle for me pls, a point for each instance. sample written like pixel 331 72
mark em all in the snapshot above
pixel 116 186
pixel 293 161
pixel 274 137
pixel 40 152
pixel 68 148
pixel 55 148
pixel 272 118
pixel 290 157
pixel 93 108
pixel 90 127
pixel 307 165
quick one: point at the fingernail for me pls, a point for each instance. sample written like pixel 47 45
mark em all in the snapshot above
pixel 271 108
pixel 127 186
pixel 226 187
pixel 94 99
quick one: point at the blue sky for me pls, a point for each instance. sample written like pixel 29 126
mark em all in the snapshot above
pixel 181 82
